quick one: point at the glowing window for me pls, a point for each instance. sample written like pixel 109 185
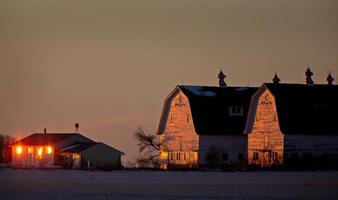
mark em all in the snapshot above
pixel 49 150
pixel 18 149
pixel 40 151
pixel 30 150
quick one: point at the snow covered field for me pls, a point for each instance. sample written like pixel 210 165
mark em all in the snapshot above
pixel 66 184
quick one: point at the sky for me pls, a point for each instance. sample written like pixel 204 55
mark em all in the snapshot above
pixel 110 64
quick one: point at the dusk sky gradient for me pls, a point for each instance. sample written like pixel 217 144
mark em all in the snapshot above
pixel 110 64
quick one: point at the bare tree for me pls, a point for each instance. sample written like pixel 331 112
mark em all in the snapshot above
pixel 5 144
pixel 149 147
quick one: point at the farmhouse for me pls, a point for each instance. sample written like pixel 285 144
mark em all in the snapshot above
pixel 69 150
pixel 273 125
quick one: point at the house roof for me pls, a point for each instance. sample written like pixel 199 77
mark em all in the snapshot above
pixel 210 108
pixel 37 139
pixel 78 147
pixel 82 146
pixel 304 109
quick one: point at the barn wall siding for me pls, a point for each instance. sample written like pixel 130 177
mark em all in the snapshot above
pixel 179 137
pixel 311 151
pixel 265 141
pixel 311 143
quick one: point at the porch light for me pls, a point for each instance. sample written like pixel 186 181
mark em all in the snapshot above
pixel 18 149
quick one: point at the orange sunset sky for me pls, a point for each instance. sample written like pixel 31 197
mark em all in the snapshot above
pixel 109 64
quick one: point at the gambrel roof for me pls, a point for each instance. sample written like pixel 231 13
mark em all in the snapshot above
pixel 210 108
pixel 306 109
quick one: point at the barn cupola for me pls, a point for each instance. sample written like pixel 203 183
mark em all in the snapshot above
pixel 221 78
pixel 308 75
pixel 330 79
pixel 276 79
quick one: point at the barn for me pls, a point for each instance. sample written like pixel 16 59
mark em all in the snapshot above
pixel 294 124
pixel 274 125
pixel 69 150
pixel 203 125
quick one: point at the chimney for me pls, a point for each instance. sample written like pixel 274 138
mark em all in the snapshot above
pixel 45 131
pixel 330 79
pixel 77 125
pixel 221 78
pixel 308 75
pixel 276 79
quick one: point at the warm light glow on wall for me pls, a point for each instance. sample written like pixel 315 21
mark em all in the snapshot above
pixel 49 150
pixel 164 155
pixel 30 150
pixel 18 149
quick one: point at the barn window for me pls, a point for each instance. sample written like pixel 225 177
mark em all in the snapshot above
pixel 255 156
pixel 240 156
pixel 321 106
pixel 236 111
pixel 275 156
pixel 182 156
pixel 225 156
pixel 185 156
pixel 172 156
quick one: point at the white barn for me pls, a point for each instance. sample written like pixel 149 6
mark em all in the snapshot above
pixel 201 125
pixel 274 125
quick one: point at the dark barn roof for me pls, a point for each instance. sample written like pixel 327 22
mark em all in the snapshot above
pixel 304 109
pixel 38 139
pixel 210 108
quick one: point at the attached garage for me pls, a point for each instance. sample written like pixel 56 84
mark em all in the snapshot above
pixel 91 155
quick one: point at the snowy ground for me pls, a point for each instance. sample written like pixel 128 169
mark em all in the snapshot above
pixel 66 184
